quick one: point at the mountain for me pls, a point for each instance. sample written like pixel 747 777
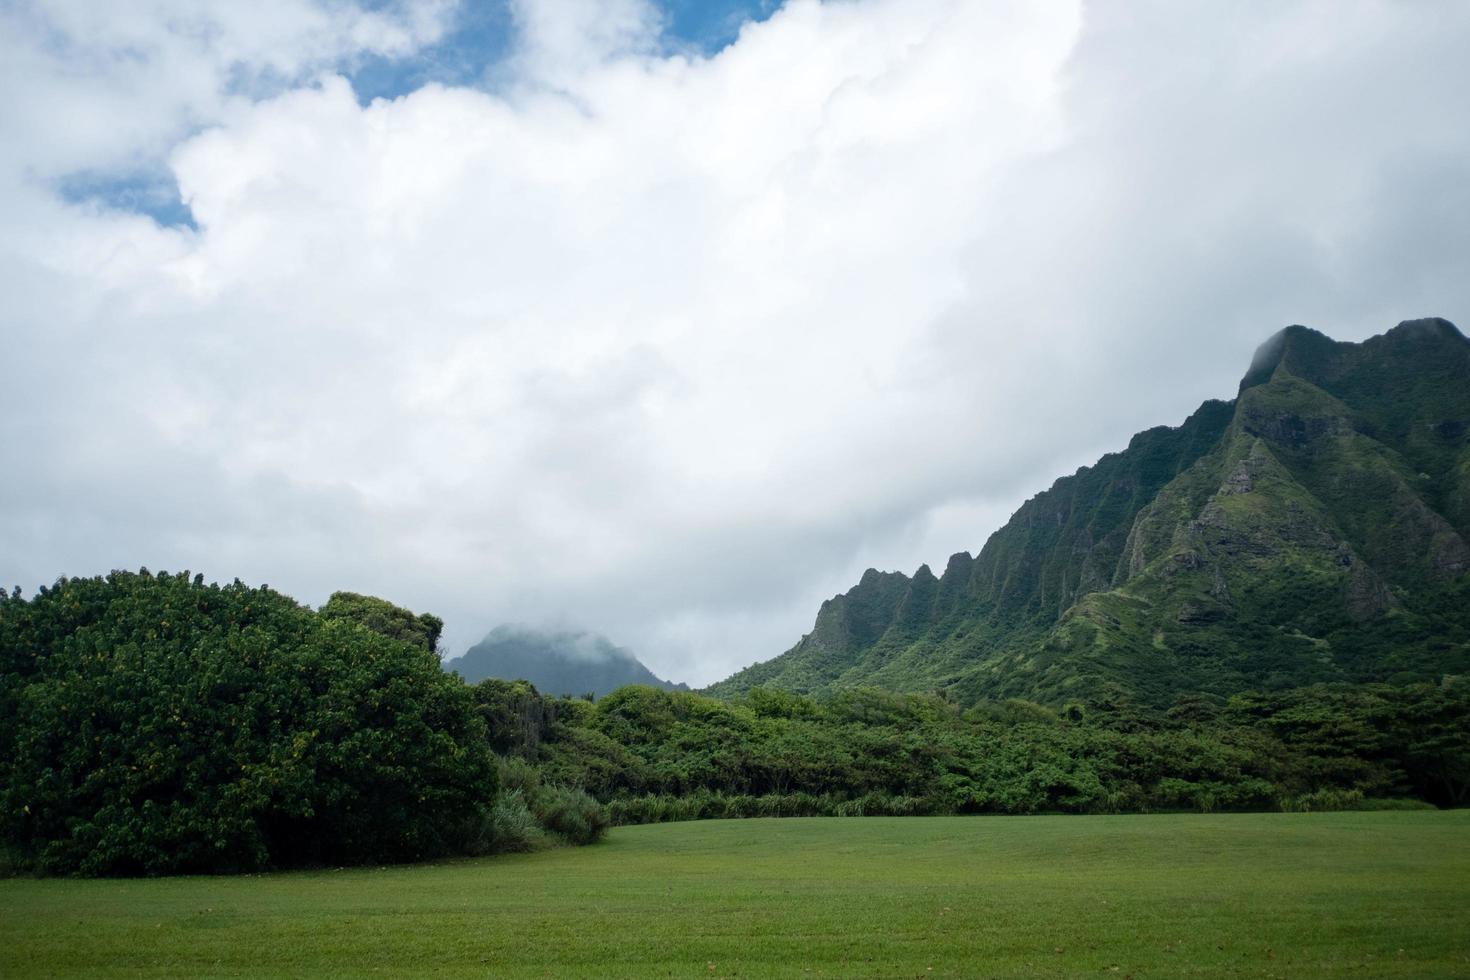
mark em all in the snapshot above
pixel 1312 529
pixel 573 663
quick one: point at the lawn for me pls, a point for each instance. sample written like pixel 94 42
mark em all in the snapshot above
pixel 1257 895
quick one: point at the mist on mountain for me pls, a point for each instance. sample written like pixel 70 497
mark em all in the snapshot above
pixel 571 662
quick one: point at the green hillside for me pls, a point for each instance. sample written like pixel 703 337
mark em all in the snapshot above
pixel 1313 529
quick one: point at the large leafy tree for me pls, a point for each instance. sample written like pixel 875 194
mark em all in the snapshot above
pixel 381 616
pixel 155 724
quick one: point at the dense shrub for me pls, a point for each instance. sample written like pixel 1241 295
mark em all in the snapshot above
pixel 155 724
pixel 510 825
pixel 533 808
pixel 516 717
pixel 654 755
pixel 571 813
pixel 1325 800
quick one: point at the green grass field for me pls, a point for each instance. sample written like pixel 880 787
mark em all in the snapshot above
pixel 1286 895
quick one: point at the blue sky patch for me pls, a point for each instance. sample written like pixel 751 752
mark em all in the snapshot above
pixel 479 37
pixel 151 193
pixel 711 25
pixel 482 35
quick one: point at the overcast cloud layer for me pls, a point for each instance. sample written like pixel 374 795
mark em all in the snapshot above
pixel 663 345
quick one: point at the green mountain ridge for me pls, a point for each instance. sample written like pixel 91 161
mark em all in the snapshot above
pixel 1312 529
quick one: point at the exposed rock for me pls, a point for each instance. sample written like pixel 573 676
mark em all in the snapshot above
pixel 1296 431
pixel 1219 587
pixel 1199 613
pixel 1367 594
pixel 1449 556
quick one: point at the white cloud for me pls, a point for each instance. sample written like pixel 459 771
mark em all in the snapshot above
pixel 103 85
pixel 563 41
pixel 671 347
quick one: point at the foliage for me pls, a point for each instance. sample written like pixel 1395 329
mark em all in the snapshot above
pixel 383 617
pixel 511 826
pixel 516 716
pixel 572 813
pixel 154 724
pixel 656 756
pixel 538 808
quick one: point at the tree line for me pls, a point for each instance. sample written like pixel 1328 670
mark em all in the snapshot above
pixel 658 755
pixel 155 724
pixel 150 723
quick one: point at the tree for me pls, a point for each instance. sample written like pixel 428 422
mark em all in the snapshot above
pixel 381 616
pixel 159 725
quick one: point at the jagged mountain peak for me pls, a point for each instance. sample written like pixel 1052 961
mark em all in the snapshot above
pixel 1314 356
pixel 1313 529
pixel 1427 328
pixel 1300 348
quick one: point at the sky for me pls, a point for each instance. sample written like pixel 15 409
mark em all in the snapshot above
pixel 665 320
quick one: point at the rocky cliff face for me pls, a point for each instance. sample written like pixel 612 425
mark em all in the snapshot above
pixel 1314 528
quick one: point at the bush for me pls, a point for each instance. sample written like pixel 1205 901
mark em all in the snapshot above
pixel 1326 800
pixel 707 805
pixel 510 826
pixel 530 807
pixel 1380 803
pixel 571 813
pixel 515 774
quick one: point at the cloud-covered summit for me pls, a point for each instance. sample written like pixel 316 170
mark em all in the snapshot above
pixel 665 343
pixel 557 662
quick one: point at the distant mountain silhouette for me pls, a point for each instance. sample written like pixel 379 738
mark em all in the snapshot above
pixel 567 662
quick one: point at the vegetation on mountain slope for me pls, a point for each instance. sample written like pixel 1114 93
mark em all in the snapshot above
pixel 1312 530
